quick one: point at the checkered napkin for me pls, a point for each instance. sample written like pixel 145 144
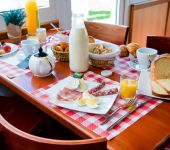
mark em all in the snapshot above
pixel 121 66
pixel 92 121
pixel 11 71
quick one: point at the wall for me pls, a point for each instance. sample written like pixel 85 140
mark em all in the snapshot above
pixel 125 10
pixel 147 20
pixel 63 10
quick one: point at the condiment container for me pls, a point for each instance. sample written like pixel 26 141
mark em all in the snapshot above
pixel 41 64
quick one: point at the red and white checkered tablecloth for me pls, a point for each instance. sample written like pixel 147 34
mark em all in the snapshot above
pixel 121 66
pixel 92 121
pixel 11 71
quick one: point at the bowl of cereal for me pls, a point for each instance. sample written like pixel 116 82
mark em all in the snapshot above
pixel 102 54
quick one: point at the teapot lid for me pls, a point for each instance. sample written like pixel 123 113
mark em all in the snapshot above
pixel 40 53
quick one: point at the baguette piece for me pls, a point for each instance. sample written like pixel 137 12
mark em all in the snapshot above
pixel 160 76
pixel 157 90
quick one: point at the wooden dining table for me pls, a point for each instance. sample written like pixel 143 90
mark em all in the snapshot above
pixel 142 135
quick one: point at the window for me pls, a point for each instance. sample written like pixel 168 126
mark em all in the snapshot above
pixel 46 13
pixel 97 10
pixel 14 4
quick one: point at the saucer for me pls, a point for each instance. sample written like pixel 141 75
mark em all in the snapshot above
pixel 135 65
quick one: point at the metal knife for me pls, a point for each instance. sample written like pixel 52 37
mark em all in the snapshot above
pixel 130 110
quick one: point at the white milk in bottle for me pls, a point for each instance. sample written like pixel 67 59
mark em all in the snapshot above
pixel 78 45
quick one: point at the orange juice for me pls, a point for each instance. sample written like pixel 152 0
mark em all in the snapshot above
pixel 32 19
pixel 128 88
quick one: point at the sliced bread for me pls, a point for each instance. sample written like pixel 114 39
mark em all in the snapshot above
pixel 160 76
pixel 164 83
pixel 157 90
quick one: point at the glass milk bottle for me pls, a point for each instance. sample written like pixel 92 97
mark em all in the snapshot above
pixel 78 45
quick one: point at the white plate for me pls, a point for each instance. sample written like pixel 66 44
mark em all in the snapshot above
pixel 14 48
pixel 135 65
pixel 104 106
pixel 144 85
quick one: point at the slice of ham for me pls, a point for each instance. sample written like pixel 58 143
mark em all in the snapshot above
pixel 68 95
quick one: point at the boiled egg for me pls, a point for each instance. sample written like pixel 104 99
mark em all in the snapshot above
pixel 88 100
pixel 92 103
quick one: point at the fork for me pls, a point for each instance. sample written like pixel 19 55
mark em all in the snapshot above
pixel 126 105
pixel 131 109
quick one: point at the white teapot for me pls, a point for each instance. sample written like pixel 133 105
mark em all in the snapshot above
pixel 41 64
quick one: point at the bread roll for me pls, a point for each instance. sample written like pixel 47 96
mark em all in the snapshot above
pixel 132 48
pixel 124 51
pixel 91 39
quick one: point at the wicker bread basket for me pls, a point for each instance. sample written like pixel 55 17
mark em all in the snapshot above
pixel 104 60
pixel 61 56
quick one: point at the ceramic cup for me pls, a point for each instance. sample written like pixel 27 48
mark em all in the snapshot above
pixel 145 56
pixel 30 46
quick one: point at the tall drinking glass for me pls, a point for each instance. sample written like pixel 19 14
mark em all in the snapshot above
pixel 128 87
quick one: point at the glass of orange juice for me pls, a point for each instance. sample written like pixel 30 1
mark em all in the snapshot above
pixel 128 87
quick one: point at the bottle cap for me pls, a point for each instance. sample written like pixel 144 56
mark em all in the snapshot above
pixel 106 73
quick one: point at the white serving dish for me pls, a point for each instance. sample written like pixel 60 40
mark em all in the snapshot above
pixel 104 107
pixel 14 48
pixel 115 51
pixel 144 85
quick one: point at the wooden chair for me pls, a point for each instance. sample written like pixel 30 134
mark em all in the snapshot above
pixel 164 144
pixel 160 43
pixel 21 114
pixel 116 34
pixel 15 139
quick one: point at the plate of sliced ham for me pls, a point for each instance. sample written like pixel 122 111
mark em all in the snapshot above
pixel 96 98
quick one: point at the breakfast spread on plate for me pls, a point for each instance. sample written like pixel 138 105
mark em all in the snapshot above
pixel 4 48
pixel 160 76
pixel 67 94
pixel 130 48
pixel 63 33
pixel 99 49
pixel 77 91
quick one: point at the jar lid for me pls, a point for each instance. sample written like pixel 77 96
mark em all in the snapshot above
pixel 106 73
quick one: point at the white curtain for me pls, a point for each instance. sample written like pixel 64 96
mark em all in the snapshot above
pixel 123 12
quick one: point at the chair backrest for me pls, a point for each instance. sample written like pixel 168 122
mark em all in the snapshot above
pixel 160 43
pixel 16 139
pixel 116 34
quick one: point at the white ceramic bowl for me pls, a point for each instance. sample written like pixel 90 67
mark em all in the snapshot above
pixel 113 47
